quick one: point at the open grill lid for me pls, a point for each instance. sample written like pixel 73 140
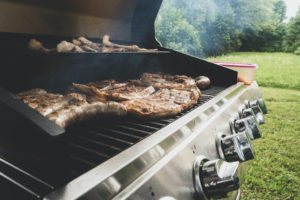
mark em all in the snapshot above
pixel 124 20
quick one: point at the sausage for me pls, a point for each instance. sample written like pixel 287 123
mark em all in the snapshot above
pixel 202 82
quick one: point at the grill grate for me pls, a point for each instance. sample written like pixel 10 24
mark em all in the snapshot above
pixel 88 145
pixel 94 142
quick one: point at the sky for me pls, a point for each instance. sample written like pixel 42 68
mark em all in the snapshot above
pixel 292 8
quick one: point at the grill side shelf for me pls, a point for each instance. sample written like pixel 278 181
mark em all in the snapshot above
pixel 33 118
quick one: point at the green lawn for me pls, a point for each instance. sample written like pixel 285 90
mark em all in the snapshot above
pixel 275 171
pixel 280 70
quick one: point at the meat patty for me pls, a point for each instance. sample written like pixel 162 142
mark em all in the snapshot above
pixel 160 80
pixel 164 102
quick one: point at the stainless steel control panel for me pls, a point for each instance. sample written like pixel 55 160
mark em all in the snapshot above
pixel 210 162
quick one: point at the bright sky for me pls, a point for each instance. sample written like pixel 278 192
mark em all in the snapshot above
pixel 292 8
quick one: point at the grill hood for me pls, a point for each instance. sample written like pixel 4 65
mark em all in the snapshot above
pixel 125 20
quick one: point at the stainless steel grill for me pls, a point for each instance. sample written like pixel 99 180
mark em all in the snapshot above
pixel 126 158
pixel 88 145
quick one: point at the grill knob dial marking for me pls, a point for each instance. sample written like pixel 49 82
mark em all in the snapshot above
pixel 215 178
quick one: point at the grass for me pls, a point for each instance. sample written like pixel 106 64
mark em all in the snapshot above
pixel 280 70
pixel 275 171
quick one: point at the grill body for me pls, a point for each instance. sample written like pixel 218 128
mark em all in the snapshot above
pixel 102 159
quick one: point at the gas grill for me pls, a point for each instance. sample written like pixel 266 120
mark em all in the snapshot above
pixel 197 154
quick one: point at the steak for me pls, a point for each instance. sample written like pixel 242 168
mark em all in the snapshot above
pixel 46 103
pixel 65 110
pixel 164 102
pixel 151 96
pixel 112 90
pixel 167 81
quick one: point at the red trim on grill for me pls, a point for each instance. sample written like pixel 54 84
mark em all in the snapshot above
pixel 243 65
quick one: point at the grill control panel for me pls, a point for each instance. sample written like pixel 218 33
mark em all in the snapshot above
pixel 210 163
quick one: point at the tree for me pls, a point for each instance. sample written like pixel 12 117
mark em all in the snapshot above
pixel 177 33
pixel 215 27
pixel 292 37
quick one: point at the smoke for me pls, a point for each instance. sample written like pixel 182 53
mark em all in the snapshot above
pixel 209 28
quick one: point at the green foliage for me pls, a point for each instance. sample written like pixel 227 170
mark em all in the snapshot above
pixel 292 37
pixel 297 52
pixel 177 33
pixel 216 27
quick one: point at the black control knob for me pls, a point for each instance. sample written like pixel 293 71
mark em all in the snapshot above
pixel 249 125
pixel 234 147
pixel 259 102
pixel 216 177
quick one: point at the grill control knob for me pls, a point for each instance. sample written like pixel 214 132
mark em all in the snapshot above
pixel 215 178
pixel 258 114
pixel 254 111
pixel 234 147
pixel 259 102
pixel 249 125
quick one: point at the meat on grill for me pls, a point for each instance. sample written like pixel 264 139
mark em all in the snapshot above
pixel 202 82
pixel 112 90
pixel 164 102
pixel 76 113
pixel 122 91
pixel 65 110
pixel 66 47
pixel 46 103
pixel 167 81
pixel 151 96
pixel 82 44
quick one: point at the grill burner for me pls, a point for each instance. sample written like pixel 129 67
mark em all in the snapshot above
pixel 88 145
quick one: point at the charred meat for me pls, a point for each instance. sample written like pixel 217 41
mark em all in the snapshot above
pixel 164 102
pixel 151 96
pixel 167 81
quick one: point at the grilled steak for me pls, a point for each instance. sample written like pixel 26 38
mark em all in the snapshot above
pixel 71 108
pixel 92 93
pixel 46 103
pixel 109 97
pixel 76 113
pixel 167 81
pixel 164 102
pixel 112 90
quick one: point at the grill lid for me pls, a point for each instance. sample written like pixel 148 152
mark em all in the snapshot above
pixel 126 20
